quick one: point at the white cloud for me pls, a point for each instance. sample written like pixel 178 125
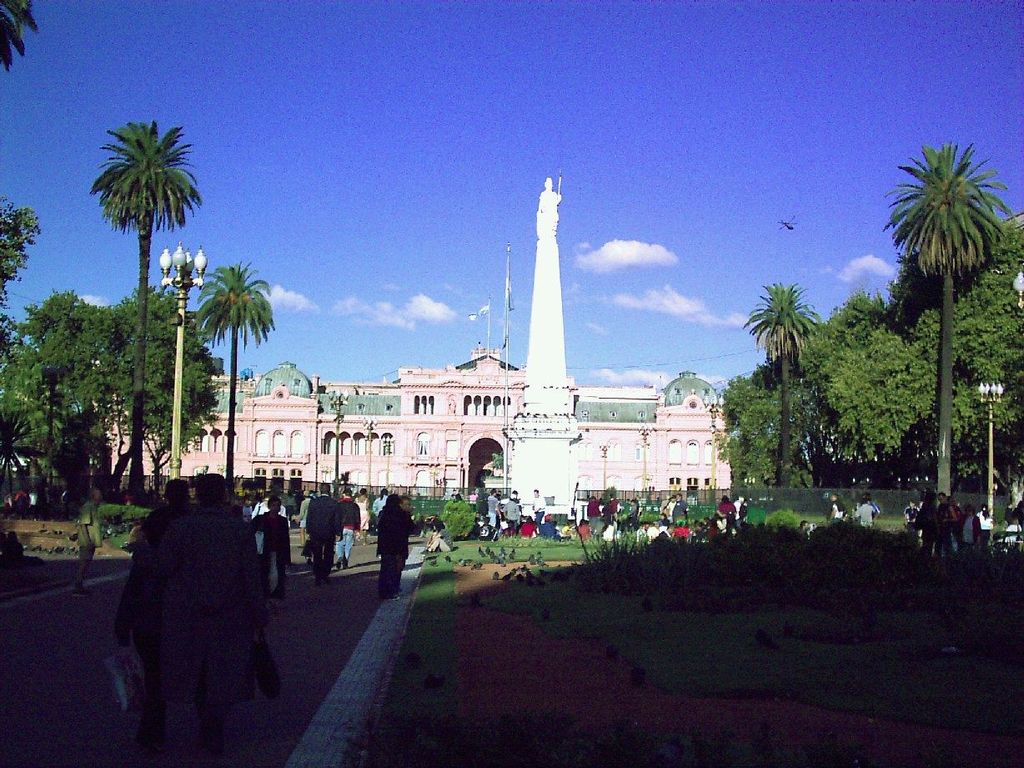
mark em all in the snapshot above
pixel 668 302
pixel 290 301
pixel 418 308
pixel 600 330
pixel 96 301
pixel 621 254
pixel 866 267
pixel 633 376
pixel 421 307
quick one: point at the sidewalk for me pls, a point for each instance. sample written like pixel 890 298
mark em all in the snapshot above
pixel 59 710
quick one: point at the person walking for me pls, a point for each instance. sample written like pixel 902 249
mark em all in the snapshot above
pixel 90 536
pixel 213 607
pixel 139 612
pixel 378 506
pixel 303 513
pixel 513 514
pixel 363 502
pixel 323 524
pixel 349 526
pixel 393 530
pixel 277 547
pixel 927 522
pixel 865 513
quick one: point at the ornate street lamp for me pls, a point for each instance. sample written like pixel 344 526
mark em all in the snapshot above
pixel 714 410
pixel 338 402
pixel 1018 286
pixel 177 270
pixel 369 424
pixel 604 472
pixel 645 435
pixel 990 395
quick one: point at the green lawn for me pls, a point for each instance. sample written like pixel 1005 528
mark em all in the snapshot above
pixel 700 654
pixel 898 675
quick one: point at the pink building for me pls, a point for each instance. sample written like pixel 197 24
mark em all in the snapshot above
pixel 441 427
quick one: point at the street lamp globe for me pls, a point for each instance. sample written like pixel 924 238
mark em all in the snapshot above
pixel 179 258
pixel 165 260
pixel 1018 286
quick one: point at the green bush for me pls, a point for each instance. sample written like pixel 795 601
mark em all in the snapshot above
pixel 783 518
pixel 458 517
pixel 123 512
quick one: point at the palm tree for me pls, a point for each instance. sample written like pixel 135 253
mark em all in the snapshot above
pixel 14 448
pixel 781 324
pixel 14 16
pixel 234 302
pixel 946 219
pixel 144 186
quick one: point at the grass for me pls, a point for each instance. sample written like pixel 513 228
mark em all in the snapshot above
pixel 716 655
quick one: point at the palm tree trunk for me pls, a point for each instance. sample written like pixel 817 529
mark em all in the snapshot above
pixel 136 476
pixel 946 386
pixel 784 427
pixel 229 472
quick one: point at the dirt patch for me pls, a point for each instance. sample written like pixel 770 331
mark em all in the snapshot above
pixel 508 665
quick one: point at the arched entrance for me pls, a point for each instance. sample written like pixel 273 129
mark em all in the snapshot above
pixel 481 454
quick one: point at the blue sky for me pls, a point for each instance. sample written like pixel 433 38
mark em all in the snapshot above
pixel 371 160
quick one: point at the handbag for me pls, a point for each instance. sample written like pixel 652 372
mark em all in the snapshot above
pixel 126 675
pixel 267 677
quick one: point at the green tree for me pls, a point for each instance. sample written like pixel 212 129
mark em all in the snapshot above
pixel 18 230
pixel 946 221
pixel 232 303
pixel 144 186
pixel 15 445
pixel 751 412
pixel 15 16
pixel 781 324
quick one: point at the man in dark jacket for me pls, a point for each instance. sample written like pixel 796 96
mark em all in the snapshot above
pixel 393 530
pixel 323 524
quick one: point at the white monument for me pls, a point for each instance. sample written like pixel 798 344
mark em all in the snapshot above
pixel 544 436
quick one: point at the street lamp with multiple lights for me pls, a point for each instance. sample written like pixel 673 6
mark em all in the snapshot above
pixel 604 472
pixel 177 271
pixel 714 407
pixel 990 395
pixel 338 402
pixel 645 437
pixel 369 424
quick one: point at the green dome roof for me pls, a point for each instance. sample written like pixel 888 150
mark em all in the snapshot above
pixel 297 382
pixel 687 382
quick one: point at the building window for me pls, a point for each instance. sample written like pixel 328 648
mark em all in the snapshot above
pixel 675 483
pixel 259 472
pixel 692 452
pixel 262 443
pixel 295 473
pixel 422 445
pixel 280 444
pixel 330 443
pixel 451 449
pixel 584 415
pixel 298 444
pixel 344 443
pixel 638 453
pixel 612 414
pixel 675 452
pixel 614 452
pixel 430 405
pixel 467 401
pixel 277 472
pixel 642 415
pixel 423 479
pixel 707 453
pixel 692 484
pixel 358 444
pixel 205 442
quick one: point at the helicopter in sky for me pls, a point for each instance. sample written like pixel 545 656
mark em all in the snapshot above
pixel 790 225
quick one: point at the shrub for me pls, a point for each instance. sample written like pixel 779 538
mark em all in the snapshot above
pixel 117 513
pixel 783 518
pixel 458 517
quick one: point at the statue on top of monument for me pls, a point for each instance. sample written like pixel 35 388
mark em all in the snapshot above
pixel 547 210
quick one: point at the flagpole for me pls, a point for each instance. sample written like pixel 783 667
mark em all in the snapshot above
pixel 508 303
pixel 488 325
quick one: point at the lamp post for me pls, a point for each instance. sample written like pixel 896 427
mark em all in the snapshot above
pixel 370 424
pixel 715 410
pixel 51 375
pixel 990 395
pixel 1018 286
pixel 177 270
pixel 338 402
pixel 645 434
pixel 604 472
pixel 388 446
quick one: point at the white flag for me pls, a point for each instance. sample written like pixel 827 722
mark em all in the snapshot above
pixel 484 309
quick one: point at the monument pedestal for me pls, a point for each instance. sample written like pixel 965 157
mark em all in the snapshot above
pixel 544 459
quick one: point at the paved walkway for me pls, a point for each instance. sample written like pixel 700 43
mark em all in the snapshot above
pixel 331 644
